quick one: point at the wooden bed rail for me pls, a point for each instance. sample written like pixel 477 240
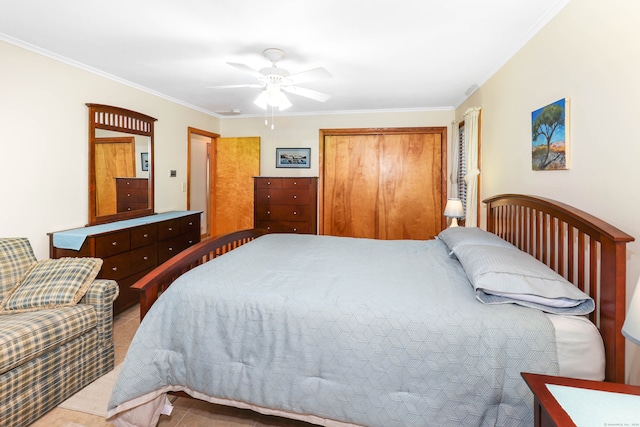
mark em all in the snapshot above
pixel 159 279
pixel 587 251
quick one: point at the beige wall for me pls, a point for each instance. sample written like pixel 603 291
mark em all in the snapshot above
pixel 304 131
pixel 588 54
pixel 43 142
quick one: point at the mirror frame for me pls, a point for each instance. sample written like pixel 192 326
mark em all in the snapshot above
pixel 119 120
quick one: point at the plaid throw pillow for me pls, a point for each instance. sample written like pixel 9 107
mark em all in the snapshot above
pixel 16 256
pixel 52 283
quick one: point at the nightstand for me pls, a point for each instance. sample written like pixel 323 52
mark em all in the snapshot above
pixel 561 402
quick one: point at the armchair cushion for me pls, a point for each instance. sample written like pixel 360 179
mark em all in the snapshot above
pixel 52 283
pixel 25 336
pixel 16 256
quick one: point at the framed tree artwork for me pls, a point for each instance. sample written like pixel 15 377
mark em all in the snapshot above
pixel 550 136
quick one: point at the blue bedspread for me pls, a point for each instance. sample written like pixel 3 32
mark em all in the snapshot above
pixel 370 332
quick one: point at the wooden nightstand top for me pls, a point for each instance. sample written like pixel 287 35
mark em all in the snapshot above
pixel 549 412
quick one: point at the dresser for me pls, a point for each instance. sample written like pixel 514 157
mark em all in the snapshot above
pixel 286 205
pixel 131 248
pixel 132 194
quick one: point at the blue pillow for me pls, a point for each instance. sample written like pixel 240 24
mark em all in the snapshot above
pixel 455 237
pixel 503 275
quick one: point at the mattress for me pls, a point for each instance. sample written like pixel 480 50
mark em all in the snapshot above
pixel 579 347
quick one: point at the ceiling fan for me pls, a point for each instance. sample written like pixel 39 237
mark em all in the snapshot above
pixel 275 81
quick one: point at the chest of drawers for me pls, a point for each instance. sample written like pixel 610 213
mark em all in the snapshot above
pixel 132 194
pixel 286 205
pixel 131 251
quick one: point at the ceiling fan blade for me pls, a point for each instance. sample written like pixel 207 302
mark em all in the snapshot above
pixel 313 74
pixel 307 93
pixel 246 69
pixel 258 85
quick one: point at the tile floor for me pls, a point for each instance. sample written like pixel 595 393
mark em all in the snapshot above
pixel 186 412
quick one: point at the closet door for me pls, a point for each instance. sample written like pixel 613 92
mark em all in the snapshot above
pixel 385 186
pixel 410 188
pixel 352 169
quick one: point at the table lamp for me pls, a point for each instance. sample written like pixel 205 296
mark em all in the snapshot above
pixel 631 327
pixel 454 210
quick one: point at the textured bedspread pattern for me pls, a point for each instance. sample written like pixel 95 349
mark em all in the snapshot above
pixel 370 332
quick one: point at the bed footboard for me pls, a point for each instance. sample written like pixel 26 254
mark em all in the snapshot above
pixel 159 279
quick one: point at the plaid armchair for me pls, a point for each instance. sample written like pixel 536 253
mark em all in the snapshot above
pixel 56 326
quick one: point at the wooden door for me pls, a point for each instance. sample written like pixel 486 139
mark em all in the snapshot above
pixel 234 163
pixel 383 185
pixel 114 157
pixel 351 176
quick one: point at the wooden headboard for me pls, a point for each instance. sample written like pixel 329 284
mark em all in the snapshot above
pixel 587 251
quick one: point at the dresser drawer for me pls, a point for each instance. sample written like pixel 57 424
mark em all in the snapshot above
pixel 131 205
pixel 144 235
pixel 303 183
pixel 168 229
pixel 284 226
pixel 269 182
pixel 123 265
pixel 128 297
pixel 112 243
pixel 284 196
pixel 131 183
pixel 282 213
pixel 169 248
pixel 190 223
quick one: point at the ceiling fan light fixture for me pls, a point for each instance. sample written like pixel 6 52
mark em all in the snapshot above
pixel 272 97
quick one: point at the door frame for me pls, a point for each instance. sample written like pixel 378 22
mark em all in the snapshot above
pixel 442 130
pixel 214 137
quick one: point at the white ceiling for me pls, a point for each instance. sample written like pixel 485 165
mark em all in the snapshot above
pixel 383 55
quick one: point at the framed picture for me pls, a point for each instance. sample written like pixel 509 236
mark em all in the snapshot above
pixel 293 157
pixel 144 161
pixel 550 137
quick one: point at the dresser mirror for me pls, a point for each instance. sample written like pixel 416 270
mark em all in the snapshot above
pixel 120 164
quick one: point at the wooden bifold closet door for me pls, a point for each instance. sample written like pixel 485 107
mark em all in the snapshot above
pixel 383 183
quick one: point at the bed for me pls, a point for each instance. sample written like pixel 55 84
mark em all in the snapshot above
pixel 340 331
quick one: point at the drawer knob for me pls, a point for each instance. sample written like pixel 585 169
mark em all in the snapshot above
pixel 268 228
pixel 295 229
pixel 268 182
pixel 190 241
pixel 145 258
pixel 295 182
pixel 145 235
pixel 170 228
pixel 295 213
pixel 170 249
pixel 191 223
pixel 128 209
pixel 295 197
pixel 268 212
pixel 114 243
pixel 114 268
pixel 268 196
pixel 128 195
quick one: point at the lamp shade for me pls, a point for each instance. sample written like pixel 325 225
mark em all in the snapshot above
pixel 454 208
pixel 631 327
pixel 273 97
